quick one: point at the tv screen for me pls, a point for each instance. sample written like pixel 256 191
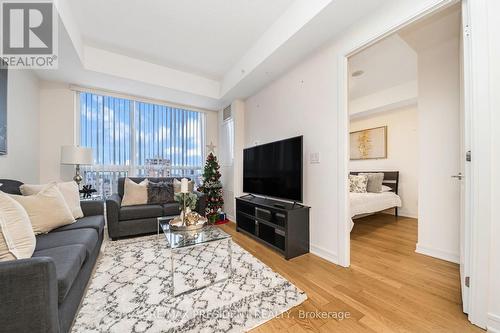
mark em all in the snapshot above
pixel 274 169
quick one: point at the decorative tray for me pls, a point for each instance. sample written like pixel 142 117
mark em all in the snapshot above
pixel 193 222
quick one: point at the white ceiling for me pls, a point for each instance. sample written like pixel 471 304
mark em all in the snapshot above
pixel 386 64
pixel 433 30
pixel 202 37
pixel 392 61
pixel 198 53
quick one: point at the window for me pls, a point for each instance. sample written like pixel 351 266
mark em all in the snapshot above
pixel 136 138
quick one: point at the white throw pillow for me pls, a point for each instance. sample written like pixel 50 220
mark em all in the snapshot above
pixel 47 209
pixel 358 183
pixel 17 240
pixel 386 189
pixel 135 194
pixel 69 191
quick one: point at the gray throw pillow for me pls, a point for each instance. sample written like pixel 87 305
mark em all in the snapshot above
pixel 160 193
pixel 375 181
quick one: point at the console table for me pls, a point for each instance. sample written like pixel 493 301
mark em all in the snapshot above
pixel 280 225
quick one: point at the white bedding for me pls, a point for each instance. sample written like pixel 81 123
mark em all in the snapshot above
pixel 366 203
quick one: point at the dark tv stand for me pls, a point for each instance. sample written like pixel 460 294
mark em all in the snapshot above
pixel 282 226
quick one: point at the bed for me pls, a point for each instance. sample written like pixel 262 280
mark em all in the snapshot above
pixel 363 204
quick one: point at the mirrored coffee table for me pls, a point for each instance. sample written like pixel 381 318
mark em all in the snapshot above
pixel 198 258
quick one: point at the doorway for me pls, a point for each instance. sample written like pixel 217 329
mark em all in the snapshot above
pixel 454 210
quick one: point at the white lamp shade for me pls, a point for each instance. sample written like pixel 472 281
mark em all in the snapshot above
pixel 76 155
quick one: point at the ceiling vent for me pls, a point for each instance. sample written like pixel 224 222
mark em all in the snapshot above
pixel 226 113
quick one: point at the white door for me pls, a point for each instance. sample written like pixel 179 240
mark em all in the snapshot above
pixel 466 156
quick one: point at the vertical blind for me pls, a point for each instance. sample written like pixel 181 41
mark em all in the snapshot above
pixel 136 138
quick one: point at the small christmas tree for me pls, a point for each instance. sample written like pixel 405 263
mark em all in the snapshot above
pixel 212 187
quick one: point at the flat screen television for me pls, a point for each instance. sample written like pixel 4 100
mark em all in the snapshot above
pixel 274 169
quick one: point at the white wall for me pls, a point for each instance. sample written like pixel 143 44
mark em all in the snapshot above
pixel 23 158
pixel 439 153
pixel 212 128
pixel 396 97
pixel 402 152
pixel 494 260
pixel 305 101
pixel 57 128
pixel 232 171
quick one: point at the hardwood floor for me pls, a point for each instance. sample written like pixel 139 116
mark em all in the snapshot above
pixel 388 288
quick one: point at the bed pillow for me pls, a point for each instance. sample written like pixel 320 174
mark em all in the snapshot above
pixel 375 180
pixel 47 209
pixel 69 191
pixel 357 184
pixel 17 239
pixel 135 194
pixel 386 188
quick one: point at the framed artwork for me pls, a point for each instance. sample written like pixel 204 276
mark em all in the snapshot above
pixel 3 108
pixel 369 144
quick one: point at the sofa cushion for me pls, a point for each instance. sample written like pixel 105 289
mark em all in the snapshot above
pixel 85 237
pixel 121 182
pixel 68 261
pixel 10 186
pixel 171 209
pixel 91 222
pixel 47 209
pixel 135 194
pixel 69 191
pixel 160 193
pixel 17 239
pixel 140 212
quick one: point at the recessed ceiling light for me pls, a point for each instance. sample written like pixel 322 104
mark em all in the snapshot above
pixel 357 73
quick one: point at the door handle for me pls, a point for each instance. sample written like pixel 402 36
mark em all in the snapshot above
pixel 459 176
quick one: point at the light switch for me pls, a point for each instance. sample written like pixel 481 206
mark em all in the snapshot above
pixel 314 158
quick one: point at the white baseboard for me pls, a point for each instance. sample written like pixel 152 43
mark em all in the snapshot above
pixel 438 253
pixel 400 213
pixel 410 215
pixel 323 253
pixel 230 218
pixel 493 324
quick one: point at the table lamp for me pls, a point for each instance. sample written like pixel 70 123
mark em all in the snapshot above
pixel 74 155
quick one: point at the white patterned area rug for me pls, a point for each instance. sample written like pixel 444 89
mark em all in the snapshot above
pixel 131 291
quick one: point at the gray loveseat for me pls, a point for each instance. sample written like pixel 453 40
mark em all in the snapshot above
pixel 42 294
pixel 140 219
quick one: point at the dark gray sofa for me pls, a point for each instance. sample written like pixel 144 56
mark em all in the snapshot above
pixel 140 219
pixel 42 294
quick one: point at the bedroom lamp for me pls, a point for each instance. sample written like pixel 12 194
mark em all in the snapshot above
pixel 74 155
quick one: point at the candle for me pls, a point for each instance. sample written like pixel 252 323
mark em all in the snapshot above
pixel 184 185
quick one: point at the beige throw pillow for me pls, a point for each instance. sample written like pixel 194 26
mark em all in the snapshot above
pixel 69 191
pixel 17 240
pixel 375 180
pixel 47 209
pixel 135 194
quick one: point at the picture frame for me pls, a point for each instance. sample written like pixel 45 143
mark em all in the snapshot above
pixel 368 144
